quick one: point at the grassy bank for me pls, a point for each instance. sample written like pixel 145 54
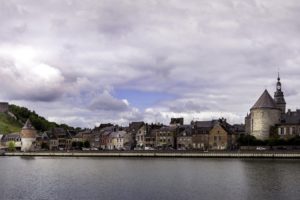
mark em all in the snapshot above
pixel 8 124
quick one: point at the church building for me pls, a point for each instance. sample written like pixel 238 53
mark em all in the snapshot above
pixel 266 113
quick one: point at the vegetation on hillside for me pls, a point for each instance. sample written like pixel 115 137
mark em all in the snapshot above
pixel 40 123
pixel 8 124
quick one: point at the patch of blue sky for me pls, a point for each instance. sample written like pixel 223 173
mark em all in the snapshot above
pixel 142 99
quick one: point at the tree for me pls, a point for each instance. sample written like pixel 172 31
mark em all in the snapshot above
pixel 74 144
pixel 45 146
pixel 11 146
pixel 294 141
pixel 86 144
pixel 40 123
pixel 77 145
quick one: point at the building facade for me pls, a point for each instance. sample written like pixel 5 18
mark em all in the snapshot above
pixel 28 137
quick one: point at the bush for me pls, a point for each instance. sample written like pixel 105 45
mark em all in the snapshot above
pixel 11 146
pixel 45 146
pixel 249 140
pixel 87 144
pixel 77 145
pixel 294 141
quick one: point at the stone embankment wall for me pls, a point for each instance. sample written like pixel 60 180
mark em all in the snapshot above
pixel 160 154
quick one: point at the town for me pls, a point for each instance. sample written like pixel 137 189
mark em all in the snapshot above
pixel 268 126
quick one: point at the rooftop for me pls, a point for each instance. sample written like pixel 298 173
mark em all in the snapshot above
pixel 265 101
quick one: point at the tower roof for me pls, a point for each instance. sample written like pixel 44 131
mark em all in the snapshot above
pixel 28 131
pixel 265 101
pixel 28 125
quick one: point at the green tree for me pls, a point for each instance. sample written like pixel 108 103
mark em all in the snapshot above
pixel 87 144
pixel 40 123
pixel 11 146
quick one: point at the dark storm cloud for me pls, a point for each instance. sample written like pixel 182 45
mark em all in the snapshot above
pixel 215 57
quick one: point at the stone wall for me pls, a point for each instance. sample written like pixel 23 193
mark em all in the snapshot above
pixel 248 124
pixel 3 107
pixel 255 154
pixel 262 120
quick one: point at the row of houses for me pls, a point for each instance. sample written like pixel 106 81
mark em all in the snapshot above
pixel 213 134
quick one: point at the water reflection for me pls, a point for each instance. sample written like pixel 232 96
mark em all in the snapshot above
pixel 27 157
pixel 271 179
pixel 147 178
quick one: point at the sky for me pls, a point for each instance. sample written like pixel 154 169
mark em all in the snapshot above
pixel 97 61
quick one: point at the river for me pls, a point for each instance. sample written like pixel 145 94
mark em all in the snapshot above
pixel 148 178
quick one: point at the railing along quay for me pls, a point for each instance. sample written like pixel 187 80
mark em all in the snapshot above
pixel 178 154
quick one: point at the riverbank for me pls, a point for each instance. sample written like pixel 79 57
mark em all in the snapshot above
pixel 162 154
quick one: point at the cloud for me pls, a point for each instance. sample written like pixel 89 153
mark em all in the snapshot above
pixel 209 56
pixel 23 77
pixel 108 103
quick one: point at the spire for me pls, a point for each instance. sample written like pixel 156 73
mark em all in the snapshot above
pixel 278 85
pixel 279 96
pixel 28 125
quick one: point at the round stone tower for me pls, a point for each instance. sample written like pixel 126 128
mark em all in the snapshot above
pixel 264 114
pixel 28 137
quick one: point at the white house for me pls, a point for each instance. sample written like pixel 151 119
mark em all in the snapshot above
pixel 28 137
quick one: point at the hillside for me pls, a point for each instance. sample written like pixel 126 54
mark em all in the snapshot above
pixel 10 124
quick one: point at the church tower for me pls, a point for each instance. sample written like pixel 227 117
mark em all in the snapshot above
pixel 28 137
pixel 263 114
pixel 279 97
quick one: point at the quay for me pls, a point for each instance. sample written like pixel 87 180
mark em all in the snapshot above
pixel 175 154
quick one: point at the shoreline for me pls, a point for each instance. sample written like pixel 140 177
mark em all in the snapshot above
pixel 295 155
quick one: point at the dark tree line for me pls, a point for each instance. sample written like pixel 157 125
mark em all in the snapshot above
pixel 40 123
pixel 249 140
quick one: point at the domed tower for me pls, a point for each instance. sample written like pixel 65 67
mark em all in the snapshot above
pixel 279 97
pixel 28 137
pixel 264 114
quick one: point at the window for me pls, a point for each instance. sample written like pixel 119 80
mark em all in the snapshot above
pixel 281 131
pixel 293 130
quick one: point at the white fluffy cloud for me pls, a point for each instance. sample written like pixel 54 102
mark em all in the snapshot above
pixel 23 76
pixel 66 59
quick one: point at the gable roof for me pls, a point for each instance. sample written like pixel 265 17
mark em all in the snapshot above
pixel 204 124
pixel 265 101
pixel 135 126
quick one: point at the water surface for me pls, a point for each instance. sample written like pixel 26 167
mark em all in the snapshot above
pixel 148 178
